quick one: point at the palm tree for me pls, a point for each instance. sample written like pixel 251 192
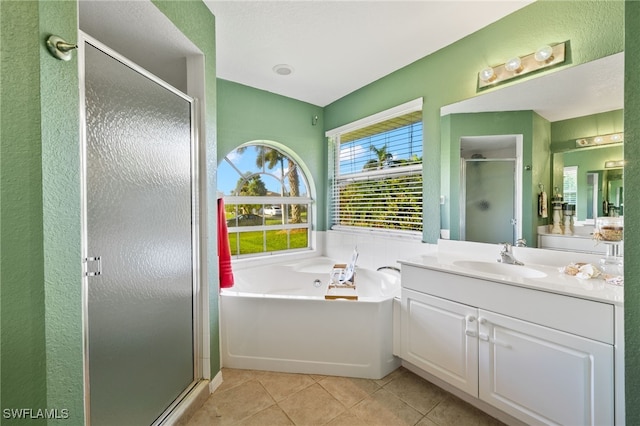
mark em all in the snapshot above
pixel 271 157
pixel 252 185
pixel 384 160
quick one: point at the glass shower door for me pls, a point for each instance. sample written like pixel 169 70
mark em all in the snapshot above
pixel 139 241
pixel 489 201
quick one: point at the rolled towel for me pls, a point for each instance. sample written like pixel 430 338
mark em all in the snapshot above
pixel 542 205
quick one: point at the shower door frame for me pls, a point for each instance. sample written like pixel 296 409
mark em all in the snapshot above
pixel 518 199
pixel 199 305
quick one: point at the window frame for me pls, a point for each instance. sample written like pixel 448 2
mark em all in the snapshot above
pixel 269 200
pixel 573 171
pixel 334 167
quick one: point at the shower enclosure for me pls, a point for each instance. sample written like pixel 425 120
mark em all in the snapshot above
pixel 490 188
pixel 140 240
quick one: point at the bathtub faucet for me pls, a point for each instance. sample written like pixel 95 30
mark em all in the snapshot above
pixel 393 268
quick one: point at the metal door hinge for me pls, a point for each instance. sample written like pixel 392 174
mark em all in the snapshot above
pixel 94 271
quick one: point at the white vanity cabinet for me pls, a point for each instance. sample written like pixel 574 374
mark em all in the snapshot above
pixel 541 357
pixel 440 337
pixel 544 376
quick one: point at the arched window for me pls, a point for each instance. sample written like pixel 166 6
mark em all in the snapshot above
pixel 267 200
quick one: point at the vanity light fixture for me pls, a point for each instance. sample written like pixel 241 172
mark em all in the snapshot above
pixel 600 140
pixel 514 65
pixel 613 164
pixel 544 57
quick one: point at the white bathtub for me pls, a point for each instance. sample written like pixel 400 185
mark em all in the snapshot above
pixel 275 318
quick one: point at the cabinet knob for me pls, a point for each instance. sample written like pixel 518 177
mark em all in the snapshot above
pixel 482 320
pixel 470 318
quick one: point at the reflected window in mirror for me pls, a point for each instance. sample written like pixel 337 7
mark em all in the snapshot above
pixel 570 185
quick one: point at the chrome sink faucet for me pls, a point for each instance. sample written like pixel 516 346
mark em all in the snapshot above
pixel 506 255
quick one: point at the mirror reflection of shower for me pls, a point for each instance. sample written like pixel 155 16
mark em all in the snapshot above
pixel 491 180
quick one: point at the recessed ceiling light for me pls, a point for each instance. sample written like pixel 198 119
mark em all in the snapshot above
pixel 283 69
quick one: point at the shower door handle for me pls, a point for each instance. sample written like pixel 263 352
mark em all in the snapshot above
pixel 98 269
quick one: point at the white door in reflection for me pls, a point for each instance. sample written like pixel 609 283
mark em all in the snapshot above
pixel 139 229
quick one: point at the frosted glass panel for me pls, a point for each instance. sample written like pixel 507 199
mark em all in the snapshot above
pixel 489 203
pixel 139 222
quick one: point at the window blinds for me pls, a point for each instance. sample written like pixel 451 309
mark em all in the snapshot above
pixel 377 176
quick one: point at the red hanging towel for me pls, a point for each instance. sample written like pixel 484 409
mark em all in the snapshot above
pixel 224 251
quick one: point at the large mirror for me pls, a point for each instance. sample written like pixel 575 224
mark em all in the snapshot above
pixel 549 113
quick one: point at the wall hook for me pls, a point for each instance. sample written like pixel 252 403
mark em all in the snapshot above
pixel 314 120
pixel 60 48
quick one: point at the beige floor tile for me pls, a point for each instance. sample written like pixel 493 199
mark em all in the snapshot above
pixel 389 377
pixel 317 377
pixel 272 416
pixel 385 409
pixel 232 377
pixel 282 385
pixel 347 419
pixel 349 391
pixel 415 391
pixel 426 422
pixel 453 411
pixel 248 397
pixel 312 406
pixel 204 417
pixel 235 404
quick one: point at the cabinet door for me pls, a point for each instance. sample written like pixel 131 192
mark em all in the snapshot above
pixel 544 376
pixel 440 337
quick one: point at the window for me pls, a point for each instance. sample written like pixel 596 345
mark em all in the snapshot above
pixel 267 201
pixel 570 185
pixel 377 176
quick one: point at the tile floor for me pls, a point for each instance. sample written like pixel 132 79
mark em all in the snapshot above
pixel 248 397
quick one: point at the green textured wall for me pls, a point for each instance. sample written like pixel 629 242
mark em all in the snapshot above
pixel 593 28
pixel 61 214
pixel 246 114
pixel 565 132
pixel 540 173
pixel 632 212
pixel 41 354
pixel 22 311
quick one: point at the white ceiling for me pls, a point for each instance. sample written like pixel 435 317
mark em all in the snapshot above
pixel 331 59
pixel 334 46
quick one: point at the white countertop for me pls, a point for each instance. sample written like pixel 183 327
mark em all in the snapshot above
pixel 547 261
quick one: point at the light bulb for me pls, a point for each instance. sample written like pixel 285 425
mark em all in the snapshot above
pixel 598 139
pixel 544 54
pixel 513 65
pixel 487 74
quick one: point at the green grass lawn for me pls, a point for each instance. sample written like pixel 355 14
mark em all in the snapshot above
pixel 253 242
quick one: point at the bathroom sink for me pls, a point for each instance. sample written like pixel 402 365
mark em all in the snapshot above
pixel 500 268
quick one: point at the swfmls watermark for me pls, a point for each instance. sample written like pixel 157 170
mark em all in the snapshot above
pixel 35 413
